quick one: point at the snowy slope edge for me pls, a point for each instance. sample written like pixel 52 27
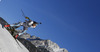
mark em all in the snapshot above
pixel 8 43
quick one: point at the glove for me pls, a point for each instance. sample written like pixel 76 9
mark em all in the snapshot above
pixel 27 17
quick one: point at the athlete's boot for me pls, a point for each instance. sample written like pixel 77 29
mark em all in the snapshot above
pixel 6 25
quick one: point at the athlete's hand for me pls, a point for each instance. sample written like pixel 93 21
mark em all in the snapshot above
pixel 27 17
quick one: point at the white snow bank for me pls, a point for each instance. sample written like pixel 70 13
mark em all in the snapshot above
pixel 8 43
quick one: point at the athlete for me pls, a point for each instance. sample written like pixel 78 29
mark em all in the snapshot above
pixel 28 23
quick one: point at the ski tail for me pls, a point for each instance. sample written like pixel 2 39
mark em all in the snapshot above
pixel 18 43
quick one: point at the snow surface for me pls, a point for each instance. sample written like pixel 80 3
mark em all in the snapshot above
pixel 8 43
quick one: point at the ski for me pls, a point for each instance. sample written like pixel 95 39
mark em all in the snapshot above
pixel 18 43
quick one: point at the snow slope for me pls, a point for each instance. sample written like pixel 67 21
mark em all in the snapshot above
pixel 8 43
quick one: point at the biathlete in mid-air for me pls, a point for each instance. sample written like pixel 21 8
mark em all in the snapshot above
pixel 26 24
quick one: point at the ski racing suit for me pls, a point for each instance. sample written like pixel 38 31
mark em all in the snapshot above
pixel 25 25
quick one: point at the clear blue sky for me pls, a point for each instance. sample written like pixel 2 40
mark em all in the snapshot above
pixel 72 24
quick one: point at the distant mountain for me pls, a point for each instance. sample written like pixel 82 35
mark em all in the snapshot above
pixel 43 45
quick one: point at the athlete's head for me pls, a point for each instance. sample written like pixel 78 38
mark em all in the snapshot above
pixel 34 24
